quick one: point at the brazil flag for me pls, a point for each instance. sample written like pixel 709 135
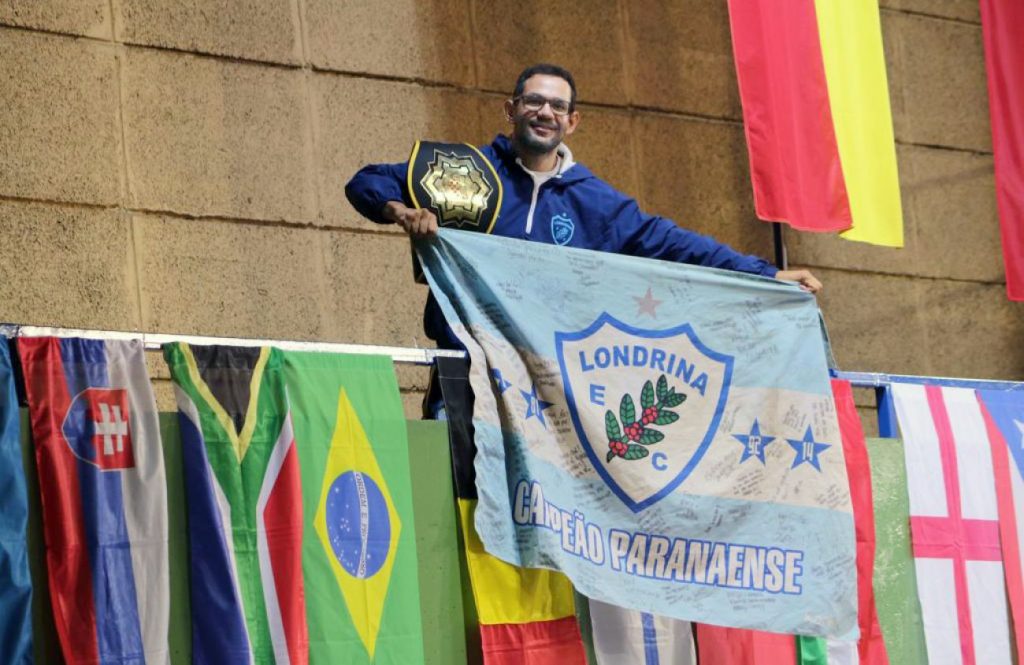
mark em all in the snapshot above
pixel 359 557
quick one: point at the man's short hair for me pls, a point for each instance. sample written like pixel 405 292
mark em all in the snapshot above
pixel 550 70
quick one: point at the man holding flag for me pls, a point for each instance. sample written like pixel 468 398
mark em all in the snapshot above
pixel 546 196
pixel 526 186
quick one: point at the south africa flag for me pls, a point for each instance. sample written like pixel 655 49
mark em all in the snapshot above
pixel 359 557
pixel 245 516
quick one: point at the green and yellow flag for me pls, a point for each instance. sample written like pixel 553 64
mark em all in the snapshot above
pixel 359 558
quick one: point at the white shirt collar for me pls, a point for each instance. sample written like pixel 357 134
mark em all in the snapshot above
pixel 565 162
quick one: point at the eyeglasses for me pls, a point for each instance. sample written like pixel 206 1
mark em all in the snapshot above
pixel 534 103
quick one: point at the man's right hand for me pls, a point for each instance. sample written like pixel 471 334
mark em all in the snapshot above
pixel 418 223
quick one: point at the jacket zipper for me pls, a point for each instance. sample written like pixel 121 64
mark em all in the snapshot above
pixel 533 205
pixel 536 189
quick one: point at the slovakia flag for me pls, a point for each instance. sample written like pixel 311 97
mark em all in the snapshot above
pixel 101 479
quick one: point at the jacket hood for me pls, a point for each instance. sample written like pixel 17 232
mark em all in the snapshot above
pixel 572 171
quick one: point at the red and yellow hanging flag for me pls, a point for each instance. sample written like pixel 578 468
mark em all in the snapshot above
pixel 817 117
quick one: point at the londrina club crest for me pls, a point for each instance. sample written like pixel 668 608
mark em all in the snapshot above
pixel 643 447
pixel 562 228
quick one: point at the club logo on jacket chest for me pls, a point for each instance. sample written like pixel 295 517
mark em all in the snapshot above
pixel 562 228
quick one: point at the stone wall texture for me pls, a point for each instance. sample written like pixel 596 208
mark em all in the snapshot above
pixel 178 167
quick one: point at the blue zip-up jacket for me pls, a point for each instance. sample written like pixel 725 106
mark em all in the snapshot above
pixel 599 217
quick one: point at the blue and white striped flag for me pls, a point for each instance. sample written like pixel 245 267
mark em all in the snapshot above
pixel 629 637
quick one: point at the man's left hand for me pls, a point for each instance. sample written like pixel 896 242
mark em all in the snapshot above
pixel 804 278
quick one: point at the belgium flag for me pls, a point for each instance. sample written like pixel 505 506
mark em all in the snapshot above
pixel 527 616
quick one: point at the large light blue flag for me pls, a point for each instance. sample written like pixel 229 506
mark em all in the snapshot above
pixel 663 434
pixel 15 584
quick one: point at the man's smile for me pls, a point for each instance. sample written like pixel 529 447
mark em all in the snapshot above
pixel 543 129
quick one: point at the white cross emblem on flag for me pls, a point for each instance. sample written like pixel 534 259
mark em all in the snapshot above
pixel 112 426
pixel 111 438
pixel 98 428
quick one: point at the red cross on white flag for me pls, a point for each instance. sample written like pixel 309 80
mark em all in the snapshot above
pixel 954 526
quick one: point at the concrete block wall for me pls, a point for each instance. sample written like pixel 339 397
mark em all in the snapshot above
pixel 178 167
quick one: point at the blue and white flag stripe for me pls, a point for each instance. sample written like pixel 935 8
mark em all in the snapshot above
pixel 630 637
pixel 101 473
pixel 114 584
pixel 130 507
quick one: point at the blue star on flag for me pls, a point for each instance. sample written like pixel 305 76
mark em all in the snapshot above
pixel 807 450
pixel 535 406
pixel 753 443
pixel 501 382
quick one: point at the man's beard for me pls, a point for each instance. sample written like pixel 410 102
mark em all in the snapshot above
pixel 526 140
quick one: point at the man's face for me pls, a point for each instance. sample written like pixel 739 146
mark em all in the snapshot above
pixel 541 130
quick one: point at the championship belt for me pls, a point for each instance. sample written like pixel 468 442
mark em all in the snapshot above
pixel 457 183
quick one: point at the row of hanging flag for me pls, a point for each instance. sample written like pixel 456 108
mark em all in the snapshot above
pixel 298 513
pixel 299 529
pixel 296 471
pixel 818 123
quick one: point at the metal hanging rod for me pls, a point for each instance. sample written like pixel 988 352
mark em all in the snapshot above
pixel 418 356
pixel 415 356
pixel 878 380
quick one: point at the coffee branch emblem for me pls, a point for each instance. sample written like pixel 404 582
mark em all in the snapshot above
pixel 631 439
